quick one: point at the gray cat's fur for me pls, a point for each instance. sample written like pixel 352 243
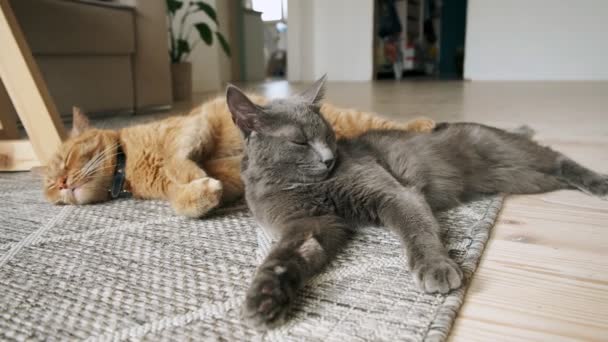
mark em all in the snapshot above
pixel 313 192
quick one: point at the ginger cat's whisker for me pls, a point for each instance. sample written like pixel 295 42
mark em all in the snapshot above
pixel 99 157
pixel 87 177
pixel 92 173
pixel 93 165
pixel 88 164
pixel 99 162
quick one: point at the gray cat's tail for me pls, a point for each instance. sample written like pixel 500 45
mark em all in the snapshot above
pixel 525 131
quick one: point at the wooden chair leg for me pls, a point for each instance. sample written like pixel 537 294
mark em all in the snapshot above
pixel 26 88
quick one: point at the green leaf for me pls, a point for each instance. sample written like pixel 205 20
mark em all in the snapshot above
pixel 223 43
pixel 207 9
pixel 182 47
pixel 173 6
pixel 205 32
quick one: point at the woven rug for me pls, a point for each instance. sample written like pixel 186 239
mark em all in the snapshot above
pixel 130 269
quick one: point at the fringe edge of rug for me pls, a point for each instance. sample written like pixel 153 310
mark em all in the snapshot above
pixel 442 324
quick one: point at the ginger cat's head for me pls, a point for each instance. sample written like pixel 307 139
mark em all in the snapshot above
pixel 81 171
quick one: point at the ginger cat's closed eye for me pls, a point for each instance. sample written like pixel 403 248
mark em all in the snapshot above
pixel 193 161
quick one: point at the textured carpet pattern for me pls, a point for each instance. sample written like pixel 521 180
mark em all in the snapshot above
pixel 130 269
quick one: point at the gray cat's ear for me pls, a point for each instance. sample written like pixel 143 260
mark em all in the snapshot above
pixel 315 93
pixel 80 122
pixel 244 112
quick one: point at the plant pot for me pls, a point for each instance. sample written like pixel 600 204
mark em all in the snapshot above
pixel 181 78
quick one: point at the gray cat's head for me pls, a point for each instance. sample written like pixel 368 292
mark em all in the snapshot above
pixel 287 138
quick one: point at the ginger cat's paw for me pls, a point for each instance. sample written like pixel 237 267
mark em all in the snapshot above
pixel 198 197
pixel 421 125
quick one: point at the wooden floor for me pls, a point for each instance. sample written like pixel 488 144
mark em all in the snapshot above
pixel 544 273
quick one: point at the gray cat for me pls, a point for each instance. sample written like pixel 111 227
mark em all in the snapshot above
pixel 313 192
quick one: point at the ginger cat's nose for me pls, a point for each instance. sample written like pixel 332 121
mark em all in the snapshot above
pixel 62 182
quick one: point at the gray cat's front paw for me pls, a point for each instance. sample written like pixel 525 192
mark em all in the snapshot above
pixel 438 275
pixel 268 299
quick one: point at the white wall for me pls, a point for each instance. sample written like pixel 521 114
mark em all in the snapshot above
pixel 537 40
pixel 300 38
pixel 333 37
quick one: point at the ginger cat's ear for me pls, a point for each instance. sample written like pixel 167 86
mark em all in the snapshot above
pixel 314 94
pixel 80 122
pixel 244 112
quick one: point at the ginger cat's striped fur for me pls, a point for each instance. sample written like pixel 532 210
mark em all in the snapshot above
pixel 193 161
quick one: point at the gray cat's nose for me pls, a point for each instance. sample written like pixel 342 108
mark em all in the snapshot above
pixel 329 162
pixel 326 156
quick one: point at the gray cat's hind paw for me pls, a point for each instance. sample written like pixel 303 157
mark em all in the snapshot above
pixel 438 275
pixel 598 187
pixel 602 191
pixel 267 301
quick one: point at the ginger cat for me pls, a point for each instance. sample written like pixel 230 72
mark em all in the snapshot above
pixel 193 161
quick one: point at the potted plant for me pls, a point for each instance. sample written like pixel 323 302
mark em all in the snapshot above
pixel 185 36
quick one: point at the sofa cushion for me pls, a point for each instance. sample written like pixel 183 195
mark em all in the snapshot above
pixel 55 27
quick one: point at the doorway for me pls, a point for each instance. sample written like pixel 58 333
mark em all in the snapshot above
pixel 268 20
pixel 419 39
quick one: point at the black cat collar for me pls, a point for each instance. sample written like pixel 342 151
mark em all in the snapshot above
pixel 118 180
